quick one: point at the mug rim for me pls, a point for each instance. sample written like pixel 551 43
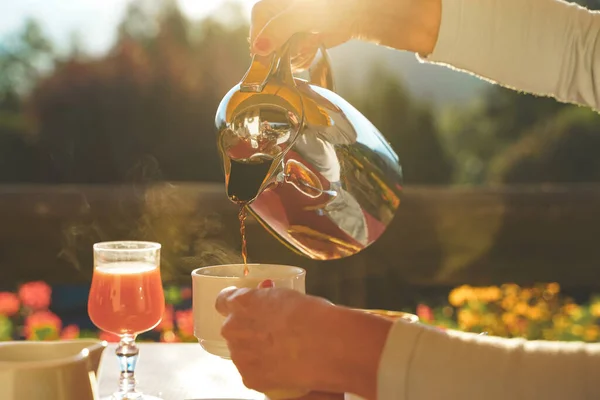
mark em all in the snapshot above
pixel 197 272
pixel 406 316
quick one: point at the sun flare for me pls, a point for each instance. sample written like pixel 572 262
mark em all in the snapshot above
pixel 201 8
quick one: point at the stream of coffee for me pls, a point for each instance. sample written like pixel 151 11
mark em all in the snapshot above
pixel 243 184
pixel 242 217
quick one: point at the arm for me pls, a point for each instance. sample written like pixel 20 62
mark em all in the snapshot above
pixel 419 362
pixel 545 47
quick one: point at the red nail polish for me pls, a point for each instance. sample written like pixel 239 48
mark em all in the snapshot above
pixel 267 283
pixel 262 45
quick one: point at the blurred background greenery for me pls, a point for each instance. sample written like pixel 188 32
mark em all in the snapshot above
pixel 141 106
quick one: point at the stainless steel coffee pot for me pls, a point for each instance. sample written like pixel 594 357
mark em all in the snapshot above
pixel 308 165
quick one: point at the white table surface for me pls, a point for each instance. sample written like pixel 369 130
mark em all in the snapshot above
pixel 177 371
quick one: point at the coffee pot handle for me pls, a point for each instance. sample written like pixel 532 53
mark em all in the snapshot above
pixel 321 73
pixel 279 64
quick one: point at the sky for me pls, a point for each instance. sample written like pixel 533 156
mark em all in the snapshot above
pixel 93 19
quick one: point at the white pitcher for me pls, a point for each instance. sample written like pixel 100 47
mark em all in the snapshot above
pixel 59 370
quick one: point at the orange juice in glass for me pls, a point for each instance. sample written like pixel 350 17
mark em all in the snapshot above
pixel 126 299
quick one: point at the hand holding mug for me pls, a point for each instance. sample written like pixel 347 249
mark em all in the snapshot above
pixel 272 338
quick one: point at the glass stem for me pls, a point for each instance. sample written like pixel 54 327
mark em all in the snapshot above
pixel 127 353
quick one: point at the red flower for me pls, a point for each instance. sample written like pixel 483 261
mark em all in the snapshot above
pixel 185 322
pixel 166 323
pixel 35 295
pixel 70 332
pixel 9 304
pixel 109 337
pixel 42 325
pixel 186 293
pixel 424 313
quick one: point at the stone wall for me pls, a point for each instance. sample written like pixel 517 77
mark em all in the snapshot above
pixel 441 237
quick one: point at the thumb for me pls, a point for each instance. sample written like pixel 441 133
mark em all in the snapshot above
pixel 299 17
pixel 222 303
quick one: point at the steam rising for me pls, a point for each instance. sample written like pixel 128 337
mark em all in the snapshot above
pixel 179 217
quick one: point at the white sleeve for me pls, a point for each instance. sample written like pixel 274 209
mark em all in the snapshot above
pixel 544 47
pixel 424 363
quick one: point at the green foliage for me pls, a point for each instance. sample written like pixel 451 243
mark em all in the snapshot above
pixel 23 57
pixel 561 149
pixel 6 328
pixel 477 134
pixel 173 295
pixel 145 112
pixel 410 128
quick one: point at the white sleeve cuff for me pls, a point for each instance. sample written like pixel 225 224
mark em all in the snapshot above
pixel 395 360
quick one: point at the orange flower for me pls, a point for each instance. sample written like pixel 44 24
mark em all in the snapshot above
pixel 491 294
pixel 466 319
pixel 534 313
pixel 166 324
pixel 560 321
pixel 109 337
pixel 9 304
pixel 70 332
pixel 594 309
pixel 510 289
pixel 522 325
pixel 591 334
pixel 42 325
pixel 424 313
pixel 577 330
pixel 573 310
pixel 509 319
pixel 169 337
pixel 553 288
pixel 185 322
pixel 458 296
pixel 35 295
pixel 521 308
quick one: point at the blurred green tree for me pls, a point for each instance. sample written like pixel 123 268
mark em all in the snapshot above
pixel 561 149
pixel 477 133
pixel 145 111
pixel 24 58
pixel 498 120
pixel 409 126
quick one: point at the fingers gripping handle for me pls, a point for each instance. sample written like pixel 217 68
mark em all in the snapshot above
pixel 279 64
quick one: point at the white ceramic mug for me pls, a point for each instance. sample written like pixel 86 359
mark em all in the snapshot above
pixel 208 282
